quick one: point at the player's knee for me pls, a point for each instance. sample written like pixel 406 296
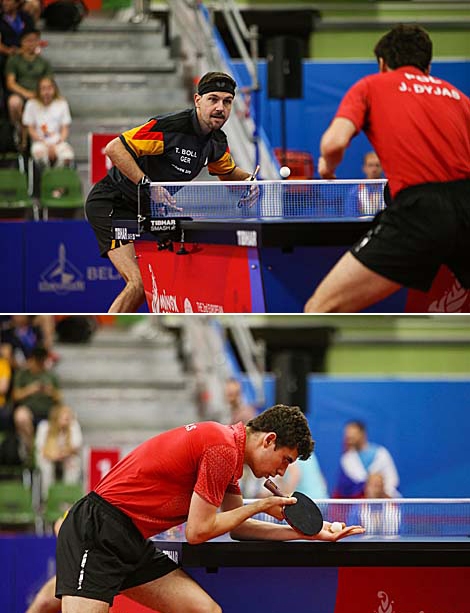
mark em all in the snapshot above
pixel 46 604
pixel 136 285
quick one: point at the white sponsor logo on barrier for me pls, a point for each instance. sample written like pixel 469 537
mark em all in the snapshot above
pixel 161 301
pixel 61 276
pixel 386 605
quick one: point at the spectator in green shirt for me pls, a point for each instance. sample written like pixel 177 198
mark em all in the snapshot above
pixel 36 387
pixel 22 73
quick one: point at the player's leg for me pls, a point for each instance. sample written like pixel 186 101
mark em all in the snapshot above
pixel 77 604
pixel 133 295
pixel 349 287
pixel 173 593
pixel 45 600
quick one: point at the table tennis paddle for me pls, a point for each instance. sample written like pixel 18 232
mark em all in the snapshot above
pixel 246 193
pixel 304 516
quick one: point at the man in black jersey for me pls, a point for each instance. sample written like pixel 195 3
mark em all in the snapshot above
pixel 154 152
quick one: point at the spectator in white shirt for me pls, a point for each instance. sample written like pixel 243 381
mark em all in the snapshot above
pixel 47 117
pixel 58 448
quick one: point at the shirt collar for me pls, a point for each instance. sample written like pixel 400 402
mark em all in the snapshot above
pixel 239 434
pixel 409 69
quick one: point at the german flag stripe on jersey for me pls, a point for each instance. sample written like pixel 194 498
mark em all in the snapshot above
pixel 145 139
pixel 223 166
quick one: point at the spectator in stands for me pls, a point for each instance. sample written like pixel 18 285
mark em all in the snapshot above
pixel 239 410
pixel 148 153
pixel 58 448
pixel 359 460
pixel 13 22
pixel 305 477
pixel 35 386
pixel 17 448
pixel 20 335
pixel 375 486
pixel 5 385
pixel 364 198
pixel 34 9
pixel 47 118
pixel 22 72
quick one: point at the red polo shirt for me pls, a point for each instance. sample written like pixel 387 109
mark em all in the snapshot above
pixel 153 485
pixel 419 125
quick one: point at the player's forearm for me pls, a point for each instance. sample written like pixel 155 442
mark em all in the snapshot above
pixel 201 530
pixel 15 88
pixel 123 160
pixel 334 143
pixel 237 174
pixel 255 530
pixel 332 153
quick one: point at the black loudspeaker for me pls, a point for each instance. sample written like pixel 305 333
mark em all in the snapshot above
pixel 291 370
pixel 284 57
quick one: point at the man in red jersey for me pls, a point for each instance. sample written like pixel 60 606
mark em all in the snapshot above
pixel 419 125
pixel 183 475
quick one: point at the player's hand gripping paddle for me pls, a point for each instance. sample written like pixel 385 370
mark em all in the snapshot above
pixel 304 516
pixel 250 194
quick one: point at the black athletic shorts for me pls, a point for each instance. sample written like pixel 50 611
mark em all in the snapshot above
pixel 426 225
pixel 100 552
pixel 104 204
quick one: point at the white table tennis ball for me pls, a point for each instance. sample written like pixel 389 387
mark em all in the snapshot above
pixel 336 526
pixel 284 171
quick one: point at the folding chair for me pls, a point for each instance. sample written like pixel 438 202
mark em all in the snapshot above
pixel 14 197
pixel 16 506
pixel 61 190
pixel 60 497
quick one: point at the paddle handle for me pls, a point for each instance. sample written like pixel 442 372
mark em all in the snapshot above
pixel 272 487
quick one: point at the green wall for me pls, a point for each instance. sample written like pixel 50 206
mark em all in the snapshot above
pixel 437 345
pixel 350 29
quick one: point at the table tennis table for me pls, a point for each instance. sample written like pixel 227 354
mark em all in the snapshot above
pixel 267 258
pixel 416 560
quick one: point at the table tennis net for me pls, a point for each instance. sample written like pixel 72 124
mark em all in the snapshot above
pixel 408 517
pixel 264 199
pixel 399 516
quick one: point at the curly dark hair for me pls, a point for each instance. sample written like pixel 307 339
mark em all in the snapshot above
pixel 405 45
pixel 289 424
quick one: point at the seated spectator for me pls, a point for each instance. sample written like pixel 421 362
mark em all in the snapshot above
pixel 379 517
pixel 306 477
pixel 17 448
pixel 13 22
pixel 47 118
pixel 21 334
pixel 5 384
pixel 22 72
pixel 35 386
pixel 364 198
pixel 239 410
pixel 34 9
pixel 58 448
pixel 359 460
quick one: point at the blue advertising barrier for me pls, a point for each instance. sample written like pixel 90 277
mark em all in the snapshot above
pixel 12 267
pixel 54 267
pixel 26 562
pixel 423 423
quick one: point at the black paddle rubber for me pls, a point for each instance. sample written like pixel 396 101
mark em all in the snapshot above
pixel 304 516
